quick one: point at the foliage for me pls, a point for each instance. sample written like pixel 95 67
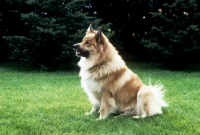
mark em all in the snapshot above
pixel 130 20
pixel 10 23
pixel 174 37
pixel 53 27
pixel 42 32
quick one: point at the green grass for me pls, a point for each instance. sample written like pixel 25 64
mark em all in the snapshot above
pixel 54 103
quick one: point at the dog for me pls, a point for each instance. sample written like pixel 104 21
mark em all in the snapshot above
pixel 110 85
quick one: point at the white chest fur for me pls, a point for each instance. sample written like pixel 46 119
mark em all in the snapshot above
pixel 89 84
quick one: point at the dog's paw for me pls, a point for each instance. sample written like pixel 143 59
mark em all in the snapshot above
pixel 137 117
pixel 143 116
pixel 98 119
pixel 88 113
pixel 101 117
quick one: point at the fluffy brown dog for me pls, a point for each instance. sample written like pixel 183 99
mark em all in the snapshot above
pixel 110 85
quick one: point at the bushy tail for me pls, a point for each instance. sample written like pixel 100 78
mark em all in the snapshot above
pixel 158 91
pixel 150 100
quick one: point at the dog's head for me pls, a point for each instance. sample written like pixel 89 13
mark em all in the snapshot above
pixel 91 44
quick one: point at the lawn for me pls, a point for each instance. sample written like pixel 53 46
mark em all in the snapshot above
pixel 35 102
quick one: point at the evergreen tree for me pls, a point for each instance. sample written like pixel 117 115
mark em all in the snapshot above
pixel 174 38
pixel 130 21
pixel 54 26
pixel 10 23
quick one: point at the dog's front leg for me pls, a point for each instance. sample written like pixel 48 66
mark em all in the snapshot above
pixel 95 101
pixel 108 105
pixel 95 108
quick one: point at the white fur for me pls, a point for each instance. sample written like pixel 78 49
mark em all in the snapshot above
pixel 153 102
pixel 149 98
pixel 93 88
pixel 116 64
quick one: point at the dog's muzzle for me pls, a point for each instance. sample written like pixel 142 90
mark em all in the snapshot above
pixel 76 47
pixel 80 52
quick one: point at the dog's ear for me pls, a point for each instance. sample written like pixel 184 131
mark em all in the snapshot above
pixel 90 29
pixel 99 35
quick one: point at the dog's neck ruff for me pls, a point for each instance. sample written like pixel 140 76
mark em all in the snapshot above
pixel 102 68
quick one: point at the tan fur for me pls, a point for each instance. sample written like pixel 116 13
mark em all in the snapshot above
pixel 110 85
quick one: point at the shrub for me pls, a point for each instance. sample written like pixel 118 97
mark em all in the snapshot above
pixel 53 27
pixel 174 38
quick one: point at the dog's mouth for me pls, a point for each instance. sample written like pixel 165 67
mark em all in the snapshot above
pixel 80 52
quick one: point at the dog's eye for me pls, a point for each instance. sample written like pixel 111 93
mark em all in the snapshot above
pixel 87 42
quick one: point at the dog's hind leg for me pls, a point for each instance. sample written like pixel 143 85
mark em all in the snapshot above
pixel 130 112
pixel 147 103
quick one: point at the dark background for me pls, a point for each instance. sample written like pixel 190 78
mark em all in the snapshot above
pixel 42 33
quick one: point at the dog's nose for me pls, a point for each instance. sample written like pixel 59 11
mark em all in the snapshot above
pixel 75 46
